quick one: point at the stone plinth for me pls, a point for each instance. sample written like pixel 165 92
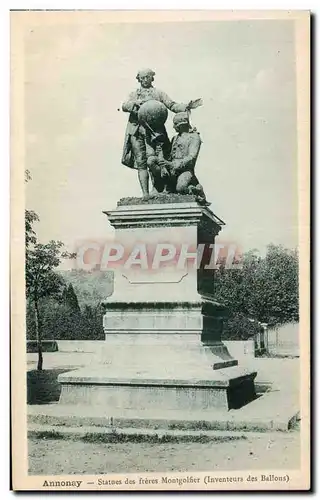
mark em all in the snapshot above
pixel 163 327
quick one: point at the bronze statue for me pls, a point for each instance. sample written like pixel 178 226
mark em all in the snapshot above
pixel 177 173
pixel 143 141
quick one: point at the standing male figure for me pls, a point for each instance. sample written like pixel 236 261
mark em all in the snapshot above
pixel 138 145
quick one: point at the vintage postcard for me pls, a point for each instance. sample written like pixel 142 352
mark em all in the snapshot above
pixel 160 165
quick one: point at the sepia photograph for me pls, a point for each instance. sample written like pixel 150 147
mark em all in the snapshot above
pixel 160 227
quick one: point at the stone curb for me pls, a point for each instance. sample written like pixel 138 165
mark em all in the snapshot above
pixel 108 434
pixel 153 424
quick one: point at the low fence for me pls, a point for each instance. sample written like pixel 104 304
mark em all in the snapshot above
pixel 47 346
pixel 284 341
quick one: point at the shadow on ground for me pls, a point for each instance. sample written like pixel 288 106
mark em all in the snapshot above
pixel 43 386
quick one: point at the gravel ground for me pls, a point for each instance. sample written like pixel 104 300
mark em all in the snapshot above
pixel 259 451
pixel 265 451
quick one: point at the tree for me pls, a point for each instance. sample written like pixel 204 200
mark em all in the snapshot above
pixel 279 276
pixel 91 287
pixel 265 289
pixel 240 327
pixel 30 218
pixel 92 322
pixel 70 298
pixel 42 281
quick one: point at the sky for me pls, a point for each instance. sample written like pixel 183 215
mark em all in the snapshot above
pixel 76 78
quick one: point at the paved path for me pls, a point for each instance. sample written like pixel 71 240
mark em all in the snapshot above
pixel 280 372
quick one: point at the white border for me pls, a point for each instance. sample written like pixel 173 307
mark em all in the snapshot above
pixel 4 151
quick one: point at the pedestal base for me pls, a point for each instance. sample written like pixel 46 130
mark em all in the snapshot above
pixel 228 390
pixel 163 328
pixel 160 372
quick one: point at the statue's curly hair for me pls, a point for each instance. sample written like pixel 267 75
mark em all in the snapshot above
pixel 146 71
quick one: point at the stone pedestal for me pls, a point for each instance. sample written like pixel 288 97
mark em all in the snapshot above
pixel 163 328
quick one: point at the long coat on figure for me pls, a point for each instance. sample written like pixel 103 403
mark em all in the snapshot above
pixel 134 129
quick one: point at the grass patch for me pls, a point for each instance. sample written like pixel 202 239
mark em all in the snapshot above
pixel 48 435
pixel 118 437
pixel 163 198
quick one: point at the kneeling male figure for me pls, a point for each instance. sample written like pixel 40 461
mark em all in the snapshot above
pixel 177 175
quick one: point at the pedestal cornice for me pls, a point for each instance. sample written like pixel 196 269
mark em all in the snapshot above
pixel 162 215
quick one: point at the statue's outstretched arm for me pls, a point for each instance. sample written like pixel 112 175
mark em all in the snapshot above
pixel 175 107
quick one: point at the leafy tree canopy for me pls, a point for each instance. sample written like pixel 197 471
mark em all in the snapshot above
pixel 265 289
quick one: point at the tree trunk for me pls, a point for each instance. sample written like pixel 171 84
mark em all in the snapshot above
pixel 38 334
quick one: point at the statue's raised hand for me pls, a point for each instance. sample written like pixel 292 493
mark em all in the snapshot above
pixel 194 104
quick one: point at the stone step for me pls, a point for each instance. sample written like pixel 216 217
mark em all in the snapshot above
pixel 267 413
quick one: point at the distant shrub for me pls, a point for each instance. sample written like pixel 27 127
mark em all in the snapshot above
pixel 61 322
pixel 239 327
